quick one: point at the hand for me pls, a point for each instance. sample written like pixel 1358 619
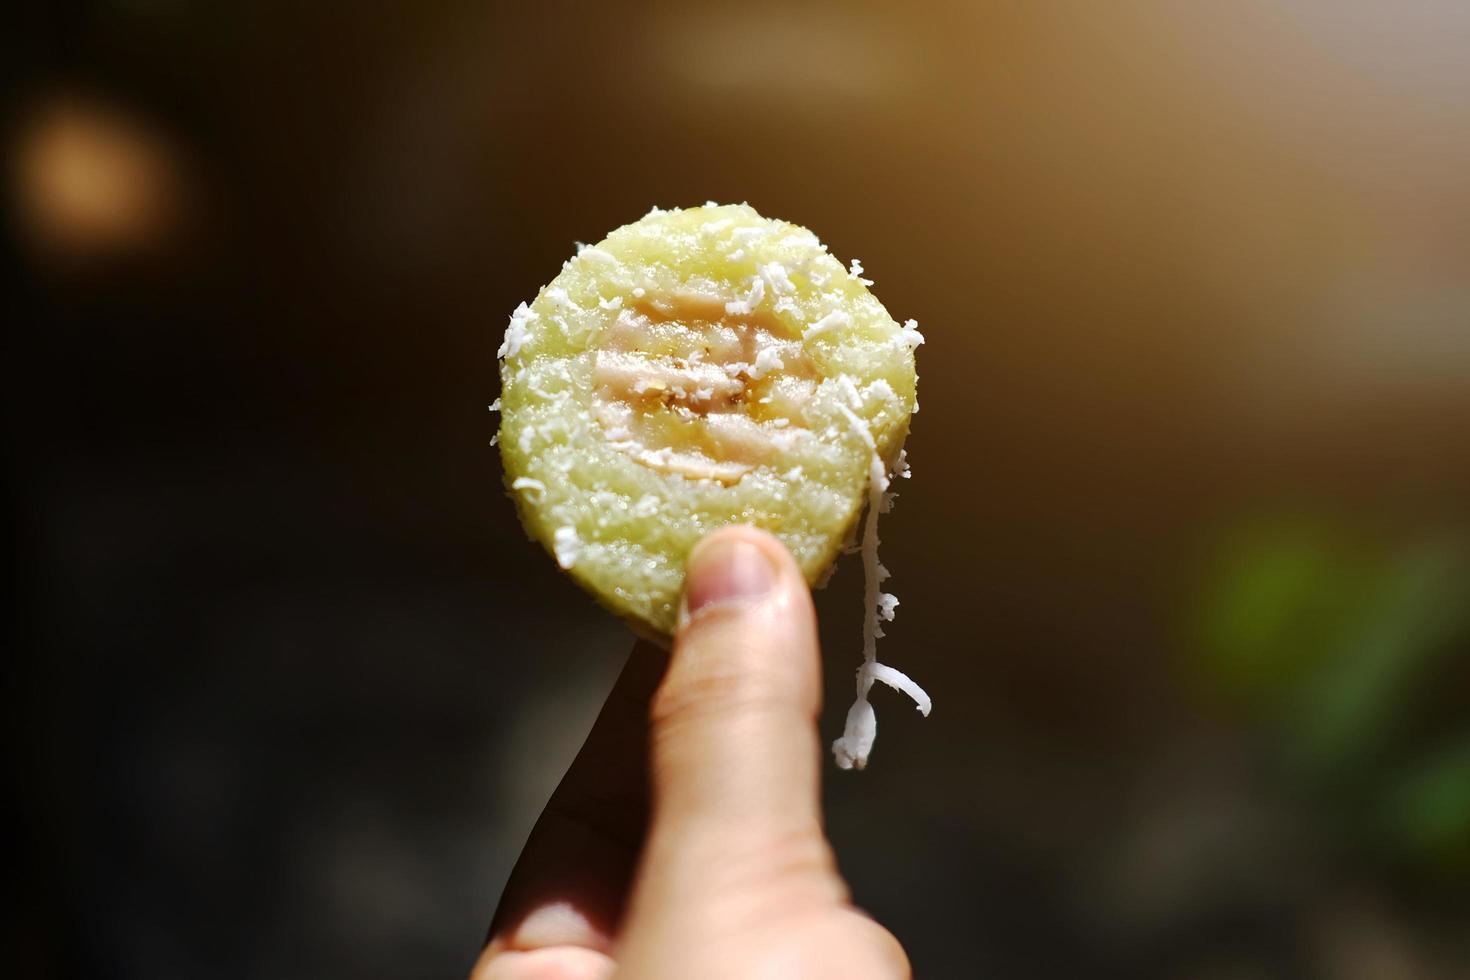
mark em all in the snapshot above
pixel 727 873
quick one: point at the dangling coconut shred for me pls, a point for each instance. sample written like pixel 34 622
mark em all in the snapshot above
pixel 852 749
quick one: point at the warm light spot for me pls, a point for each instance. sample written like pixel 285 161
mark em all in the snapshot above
pixel 89 181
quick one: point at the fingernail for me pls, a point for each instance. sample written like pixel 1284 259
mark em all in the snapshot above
pixel 727 570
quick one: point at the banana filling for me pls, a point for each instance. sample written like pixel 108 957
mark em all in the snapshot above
pixel 687 385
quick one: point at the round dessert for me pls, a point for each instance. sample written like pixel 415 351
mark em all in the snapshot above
pixel 698 368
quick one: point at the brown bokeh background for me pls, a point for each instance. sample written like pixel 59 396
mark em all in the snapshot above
pixel 1184 561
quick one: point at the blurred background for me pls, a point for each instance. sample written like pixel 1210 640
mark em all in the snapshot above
pixel 1185 562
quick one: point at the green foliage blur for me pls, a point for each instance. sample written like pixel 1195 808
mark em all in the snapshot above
pixel 1348 651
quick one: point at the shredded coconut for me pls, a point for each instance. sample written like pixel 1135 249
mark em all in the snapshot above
pixel 786 439
pixel 746 306
pixel 855 271
pixel 567 546
pixel 776 276
pixel 835 320
pixel 766 359
pixel 881 390
pixel 597 255
pixel 802 240
pixel 852 749
pixel 610 304
pixel 495 405
pixel 527 483
pixel 911 335
pixel 900 681
pixel 515 333
pixel 856 743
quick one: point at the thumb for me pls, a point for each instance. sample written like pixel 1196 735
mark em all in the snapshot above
pixel 735 753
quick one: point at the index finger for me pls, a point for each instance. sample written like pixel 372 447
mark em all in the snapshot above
pixel 570 883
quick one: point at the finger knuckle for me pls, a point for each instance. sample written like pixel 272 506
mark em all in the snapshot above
pixel 714 694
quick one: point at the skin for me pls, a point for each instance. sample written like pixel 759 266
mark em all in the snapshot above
pixel 686 839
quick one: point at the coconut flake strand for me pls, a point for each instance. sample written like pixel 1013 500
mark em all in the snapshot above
pixel 852 749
